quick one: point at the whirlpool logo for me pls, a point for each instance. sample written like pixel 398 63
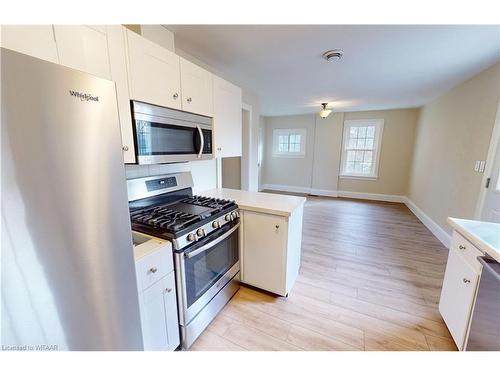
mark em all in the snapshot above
pixel 84 97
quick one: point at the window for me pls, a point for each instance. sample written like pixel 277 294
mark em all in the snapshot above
pixel 289 142
pixel 361 148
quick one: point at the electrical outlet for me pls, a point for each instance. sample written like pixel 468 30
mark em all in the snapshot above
pixel 477 166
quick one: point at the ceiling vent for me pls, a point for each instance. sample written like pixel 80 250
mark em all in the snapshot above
pixel 333 55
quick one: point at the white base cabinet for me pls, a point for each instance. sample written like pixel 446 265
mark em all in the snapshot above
pixel 157 295
pixel 270 250
pixel 459 289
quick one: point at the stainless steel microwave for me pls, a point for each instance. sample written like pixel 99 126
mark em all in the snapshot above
pixel 165 135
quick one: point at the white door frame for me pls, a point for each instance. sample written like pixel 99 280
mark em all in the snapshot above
pixel 494 143
pixel 249 136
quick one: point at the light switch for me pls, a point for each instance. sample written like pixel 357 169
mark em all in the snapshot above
pixel 477 166
pixel 481 166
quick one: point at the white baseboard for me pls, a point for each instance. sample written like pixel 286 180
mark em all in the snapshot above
pixel 300 189
pixel 436 230
pixel 372 196
pixel 323 192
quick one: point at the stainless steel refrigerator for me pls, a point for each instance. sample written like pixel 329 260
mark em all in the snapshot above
pixel 68 279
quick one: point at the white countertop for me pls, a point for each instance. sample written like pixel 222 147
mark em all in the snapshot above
pixel 276 204
pixel 484 235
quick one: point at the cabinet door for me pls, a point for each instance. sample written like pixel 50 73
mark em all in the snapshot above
pixel 84 48
pixel 197 89
pixel 36 41
pixel 227 118
pixel 154 72
pixel 160 329
pixel 118 67
pixel 263 252
pixel 457 296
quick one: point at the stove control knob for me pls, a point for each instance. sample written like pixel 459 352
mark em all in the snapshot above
pixel 215 224
pixel 236 214
pixel 200 232
pixel 191 237
pixel 228 217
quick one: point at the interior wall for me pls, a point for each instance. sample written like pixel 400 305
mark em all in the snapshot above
pixel 231 173
pixel 453 132
pixel 318 173
pixel 326 157
pixel 396 153
pixel 203 172
pixel 278 173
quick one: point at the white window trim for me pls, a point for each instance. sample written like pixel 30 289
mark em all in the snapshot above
pixel 379 123
pixel 277 132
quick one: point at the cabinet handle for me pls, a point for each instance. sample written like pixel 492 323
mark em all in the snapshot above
pixel 153 270
pixel 125 148
pixel 175 96
pixel 466 281
pixel 189 100
pixel 168 290
pixel 461 247
pixel 277 226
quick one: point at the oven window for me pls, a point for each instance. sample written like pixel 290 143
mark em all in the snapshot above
pixel 162 139
pixel 205 269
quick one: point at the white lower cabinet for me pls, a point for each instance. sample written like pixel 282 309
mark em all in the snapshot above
pixel 459 289
pixel 157 295
pixel 270 250
pixel 158 305
pixel 84 48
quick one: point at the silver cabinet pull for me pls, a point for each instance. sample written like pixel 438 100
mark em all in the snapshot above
pixel 168 290
pixel 153 270
pixel 125 148
pixel 461 247
pixel 189 100
pixel 175 96
pixel 466 281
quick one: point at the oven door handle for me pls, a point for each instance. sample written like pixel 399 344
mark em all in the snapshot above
pixel 202 141
pixel 212 244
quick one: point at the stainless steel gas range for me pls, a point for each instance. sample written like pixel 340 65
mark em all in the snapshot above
pixel 205 237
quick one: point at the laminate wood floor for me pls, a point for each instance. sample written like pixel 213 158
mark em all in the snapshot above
pixel 370 279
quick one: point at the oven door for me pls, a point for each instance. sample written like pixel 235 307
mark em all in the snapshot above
pixel 205 268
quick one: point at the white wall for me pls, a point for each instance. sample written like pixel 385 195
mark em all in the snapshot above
pixel 318 172
pixel 453 132
pixel 203 172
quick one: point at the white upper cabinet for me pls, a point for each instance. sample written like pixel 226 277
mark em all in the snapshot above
pixel 197 89
pixel 118 67
pixel 84 48
pixel 154 72
pixel 36 41
pixel 227 118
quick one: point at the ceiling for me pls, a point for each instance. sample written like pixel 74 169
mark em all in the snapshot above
pixel 383 67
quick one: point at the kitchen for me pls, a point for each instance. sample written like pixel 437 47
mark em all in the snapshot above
pixel 154 250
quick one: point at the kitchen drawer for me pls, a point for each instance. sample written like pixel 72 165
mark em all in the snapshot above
pixel 467 250
pixel 153 260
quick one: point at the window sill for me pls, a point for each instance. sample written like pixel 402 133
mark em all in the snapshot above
pixel 358 177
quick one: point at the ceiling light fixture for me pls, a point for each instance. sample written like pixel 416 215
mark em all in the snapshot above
pixel 325 112
pixel 333 55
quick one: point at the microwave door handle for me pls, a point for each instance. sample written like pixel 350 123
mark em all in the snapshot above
pixel 202 139
pixel 212 243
